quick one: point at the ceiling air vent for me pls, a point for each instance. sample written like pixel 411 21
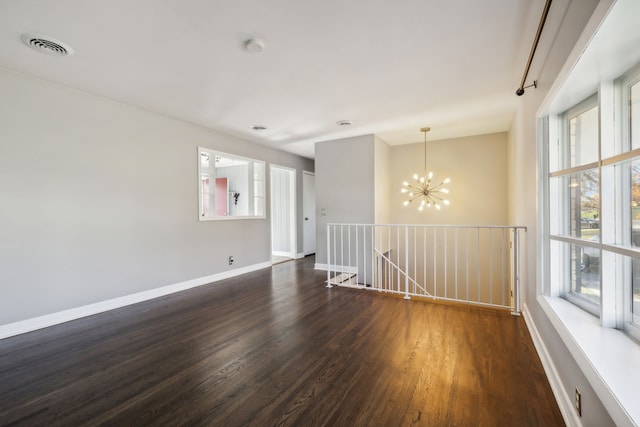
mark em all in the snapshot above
pixel 46 44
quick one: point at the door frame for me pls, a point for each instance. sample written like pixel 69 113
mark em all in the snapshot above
pixel 304 215
pixel 293 223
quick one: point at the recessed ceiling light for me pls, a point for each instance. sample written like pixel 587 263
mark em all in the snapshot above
pixel 46 44
pixel 258 128
pixel 344 123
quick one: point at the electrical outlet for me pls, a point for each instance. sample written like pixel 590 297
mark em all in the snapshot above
pixel 578 402
pixel 231 260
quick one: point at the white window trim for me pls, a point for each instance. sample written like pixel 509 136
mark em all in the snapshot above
pixel 560 132
pixel 213 152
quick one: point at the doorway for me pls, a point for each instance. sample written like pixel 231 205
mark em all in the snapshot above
pixel 283 214
pixel 309 213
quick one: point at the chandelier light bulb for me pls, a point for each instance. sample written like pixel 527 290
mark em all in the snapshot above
pixel 406 203
pixel 415 176
pixel 446 181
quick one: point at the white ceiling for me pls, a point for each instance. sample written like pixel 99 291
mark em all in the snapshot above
pixel 389 66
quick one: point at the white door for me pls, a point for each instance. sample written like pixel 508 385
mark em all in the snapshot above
pixel 283 211
pixel 309 212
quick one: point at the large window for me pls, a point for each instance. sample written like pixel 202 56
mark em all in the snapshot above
pixel 230 186
pixel 575 184
pixel 594 203
pixel 630 87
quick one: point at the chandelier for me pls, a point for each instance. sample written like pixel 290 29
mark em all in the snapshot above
pixel 424 189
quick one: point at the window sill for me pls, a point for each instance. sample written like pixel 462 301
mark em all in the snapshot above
pixel 230 217
pixel 608 358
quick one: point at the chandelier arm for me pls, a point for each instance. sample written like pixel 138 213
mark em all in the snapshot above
pixel 439 185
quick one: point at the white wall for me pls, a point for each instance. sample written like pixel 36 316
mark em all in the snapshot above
pixel 344 185
pixel 100 200
pixel 383 183
pixel 477 166
pixel 523 208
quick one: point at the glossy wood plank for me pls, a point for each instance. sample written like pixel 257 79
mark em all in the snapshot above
pixel 275 347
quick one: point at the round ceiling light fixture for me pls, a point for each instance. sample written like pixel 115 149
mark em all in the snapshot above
pixel 254 45
pixel 46 44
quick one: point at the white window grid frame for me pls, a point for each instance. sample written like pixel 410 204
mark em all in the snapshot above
pixel 613 165
pixel 211 172
pixel 559 127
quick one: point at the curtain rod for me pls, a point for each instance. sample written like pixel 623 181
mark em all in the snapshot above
pixel 543 18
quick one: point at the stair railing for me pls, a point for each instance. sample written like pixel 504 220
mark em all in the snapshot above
pixel 471 264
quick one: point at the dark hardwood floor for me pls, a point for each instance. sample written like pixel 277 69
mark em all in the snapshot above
pixel 275 347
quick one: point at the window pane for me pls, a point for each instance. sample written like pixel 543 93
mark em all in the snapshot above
pixel 584 205
pixel 635 292
pixel 258 188
pixel 557 184
pixel 634 114
pixel 204 160
pixel 205 193
pixel 583 137
pixel 258 171
pixel 555 145
pixel 635 203
pixel 585 272
pixel 259 205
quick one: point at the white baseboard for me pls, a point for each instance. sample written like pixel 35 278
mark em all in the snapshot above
pixel 281 253
pixel 565 403
pixel 288 254
pixel 47 320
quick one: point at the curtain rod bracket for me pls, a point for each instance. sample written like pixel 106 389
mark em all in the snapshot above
pixel 520 91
